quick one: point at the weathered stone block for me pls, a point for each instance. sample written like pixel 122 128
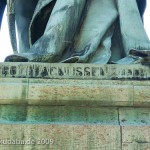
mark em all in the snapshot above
pixel 136 137
pixel 80 92
pixel 142 95
pixel 12 113
pixel 15 90
pixel 61 137
pixel 134 116
pixel 72 114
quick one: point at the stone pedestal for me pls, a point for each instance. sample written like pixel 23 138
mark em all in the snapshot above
pixel 74 107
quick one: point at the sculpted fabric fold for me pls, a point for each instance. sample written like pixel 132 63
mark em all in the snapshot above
pixel 92 31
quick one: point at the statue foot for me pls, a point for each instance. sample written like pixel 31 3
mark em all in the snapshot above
pixel 139 53
pixel 34 57
pixel 24 57
pixel 135 57
pixel 30 57
pixel 145 54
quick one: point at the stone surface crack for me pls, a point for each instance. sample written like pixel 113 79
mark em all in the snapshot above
pixel 133 95
pixel 120 129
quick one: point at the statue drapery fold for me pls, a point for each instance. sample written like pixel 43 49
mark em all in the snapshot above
pixel 93 31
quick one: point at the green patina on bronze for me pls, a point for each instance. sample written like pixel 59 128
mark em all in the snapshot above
pixel 93 35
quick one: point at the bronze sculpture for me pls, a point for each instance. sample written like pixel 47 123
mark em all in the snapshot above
pixel 93 31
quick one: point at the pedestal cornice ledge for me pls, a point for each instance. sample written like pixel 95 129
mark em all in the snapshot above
pixel 74 71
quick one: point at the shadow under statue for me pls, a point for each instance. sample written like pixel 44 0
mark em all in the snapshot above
pixel 78 31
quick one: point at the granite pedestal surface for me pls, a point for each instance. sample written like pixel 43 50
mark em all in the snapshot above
pixel 74 107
